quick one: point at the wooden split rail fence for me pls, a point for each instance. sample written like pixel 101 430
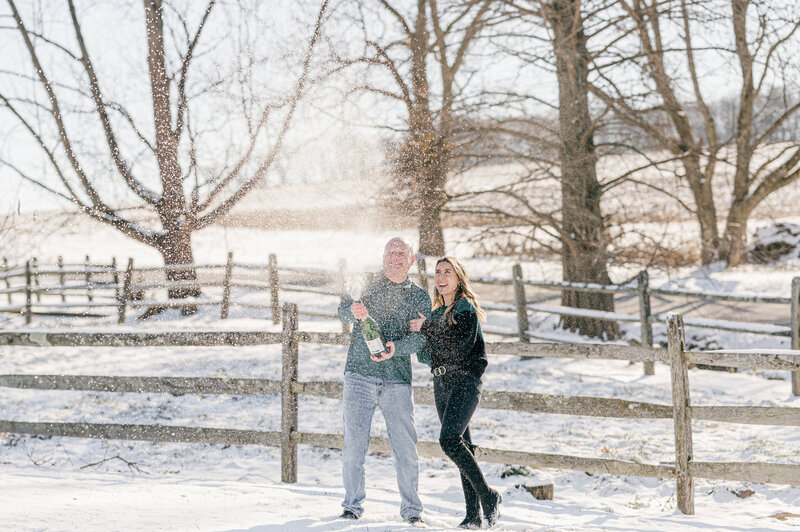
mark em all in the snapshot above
pixel 105 286
pixel 121 290
pixel 681 411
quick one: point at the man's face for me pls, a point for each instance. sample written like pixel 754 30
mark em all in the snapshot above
pixel 397 259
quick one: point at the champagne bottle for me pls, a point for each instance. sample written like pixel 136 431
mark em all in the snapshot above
pixel 372 335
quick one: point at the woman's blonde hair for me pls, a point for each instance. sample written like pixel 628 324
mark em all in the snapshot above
pixel 463 291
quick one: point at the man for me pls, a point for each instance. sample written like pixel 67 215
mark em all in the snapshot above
pixel 383 380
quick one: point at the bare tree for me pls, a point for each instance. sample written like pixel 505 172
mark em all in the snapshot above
pixel 417 57
pixel 194 120
pixel 560 151
pixel 667 56
pixel 583 243
pixel 753 181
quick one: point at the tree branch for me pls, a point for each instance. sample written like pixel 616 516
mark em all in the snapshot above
pixel 228 203
pixel 138 188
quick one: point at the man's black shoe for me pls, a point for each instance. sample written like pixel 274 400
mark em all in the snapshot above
pixel 347 514
pixel 414 520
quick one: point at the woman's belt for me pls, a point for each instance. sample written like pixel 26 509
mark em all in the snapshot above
pixel 442 370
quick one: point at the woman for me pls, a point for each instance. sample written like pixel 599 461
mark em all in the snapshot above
pixel 457 356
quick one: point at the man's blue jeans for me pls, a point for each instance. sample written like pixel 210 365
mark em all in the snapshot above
pixel 361 396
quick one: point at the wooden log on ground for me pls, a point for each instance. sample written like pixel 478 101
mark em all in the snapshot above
pixel 541 492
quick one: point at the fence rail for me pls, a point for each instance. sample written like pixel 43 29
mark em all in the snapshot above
pixel 289 387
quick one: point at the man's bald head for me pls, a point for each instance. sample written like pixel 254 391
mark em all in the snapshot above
pixel 394 241
pixel 398 256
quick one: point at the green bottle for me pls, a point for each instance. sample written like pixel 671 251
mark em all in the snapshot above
pixel 372 335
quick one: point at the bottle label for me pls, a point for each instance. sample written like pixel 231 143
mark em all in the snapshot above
pixel 375 346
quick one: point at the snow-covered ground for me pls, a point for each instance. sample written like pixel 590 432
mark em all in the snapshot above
pixel 81 484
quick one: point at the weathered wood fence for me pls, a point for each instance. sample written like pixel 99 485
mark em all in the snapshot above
pixel 646 318
pixel 120 289
pixel 93 287
pixel 681 410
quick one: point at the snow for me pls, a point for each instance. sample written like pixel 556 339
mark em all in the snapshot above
pixel 84 484
pixel 785 237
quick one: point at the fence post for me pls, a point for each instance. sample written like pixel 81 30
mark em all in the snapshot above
pixel 423 273
pixel 289 423
pixel 8 283
pixel 125 293
pixel 273 288
pixel 644 318
pixel 343 289
pixel 226 287
pixel 115 276
pixel 28 298
pixel 61 278
pixel 796 330
pixel 522 304
pixel 681 413
pixel 88 280
pixel 35 273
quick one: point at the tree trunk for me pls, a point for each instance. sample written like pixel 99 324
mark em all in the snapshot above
pixel 583 241
pixel 429 154
pixel 732 248
pixel 709 237
pixel 705 211
pixel 176 248
pixel 431 236
pixel 433 163
pixel 175 244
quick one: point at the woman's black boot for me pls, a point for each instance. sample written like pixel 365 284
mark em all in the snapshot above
pixel 471 522
pixel 491 506
pixel 473 519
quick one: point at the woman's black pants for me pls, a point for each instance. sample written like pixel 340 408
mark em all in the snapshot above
pixel 457 394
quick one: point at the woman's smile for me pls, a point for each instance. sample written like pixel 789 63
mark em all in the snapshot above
pixel 446 281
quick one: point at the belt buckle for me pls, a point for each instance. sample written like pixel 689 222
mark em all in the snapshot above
pixel 438 372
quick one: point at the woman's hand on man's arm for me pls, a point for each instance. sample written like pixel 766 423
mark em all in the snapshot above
pixel 416 324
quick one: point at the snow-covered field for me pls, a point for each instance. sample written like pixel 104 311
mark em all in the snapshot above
pixel 78 484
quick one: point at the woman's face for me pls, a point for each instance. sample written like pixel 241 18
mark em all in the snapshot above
pixel 446 281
